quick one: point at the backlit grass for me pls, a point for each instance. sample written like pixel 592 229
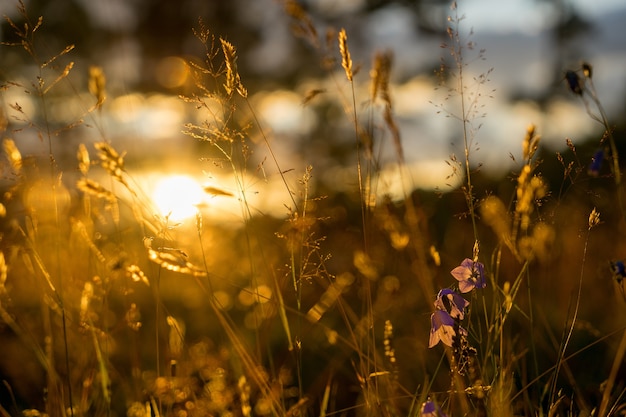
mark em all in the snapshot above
pixel 279 293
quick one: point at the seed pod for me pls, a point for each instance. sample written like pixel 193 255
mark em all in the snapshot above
pixel 587 70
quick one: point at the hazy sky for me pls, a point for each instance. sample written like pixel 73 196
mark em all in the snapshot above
pixel 525 15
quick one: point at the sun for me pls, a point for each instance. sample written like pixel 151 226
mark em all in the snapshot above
pixel 177 196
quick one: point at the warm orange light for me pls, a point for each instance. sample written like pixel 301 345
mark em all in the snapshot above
pixel 172 72
pixel 177 196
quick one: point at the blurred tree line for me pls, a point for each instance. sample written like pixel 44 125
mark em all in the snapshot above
pixel 152 29
pixel 129 38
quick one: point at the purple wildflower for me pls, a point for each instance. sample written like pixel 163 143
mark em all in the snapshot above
pixel 596 163
pixel 430 409
pixel 442 328
pixel 619 271
pixel 619 274
pixel 470 275
pixel 573 81
pixel 452 302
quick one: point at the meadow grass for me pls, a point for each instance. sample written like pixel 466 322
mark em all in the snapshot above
pixel 491 298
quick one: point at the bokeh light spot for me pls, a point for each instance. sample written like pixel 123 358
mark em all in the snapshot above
pixel 171 72
pixel 178 196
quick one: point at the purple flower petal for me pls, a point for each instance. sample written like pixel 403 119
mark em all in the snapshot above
pixel 464 271
pixel 452 302
pixel 430 409
pixel 442 328
pixel 470 275
pixel 596 163
pixel 573 81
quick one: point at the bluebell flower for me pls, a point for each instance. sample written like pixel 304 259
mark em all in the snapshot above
pixel 452 302
pixel 619 275
pixel 573 81
pixel 596 163
pixel 430 409
pixel 441 328
pixel 470 275
pixel 619 271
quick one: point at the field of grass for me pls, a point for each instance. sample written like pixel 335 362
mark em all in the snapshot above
pixel 488 298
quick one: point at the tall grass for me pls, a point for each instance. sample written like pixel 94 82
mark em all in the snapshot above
pixel 483 300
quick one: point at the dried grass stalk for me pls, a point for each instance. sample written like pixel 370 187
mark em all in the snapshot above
pixel 84 161
pixel 3 273
pixel 97 84
pixel 233 80
pixel 346 61
pixel 379 77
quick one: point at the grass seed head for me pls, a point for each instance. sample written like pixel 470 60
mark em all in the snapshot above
pixel 594 218
pixel 379 77
pixel 93 188
pixel 233 80
pixel 346 60
pixel 97 84
pixel 530 143
pixel 83 159
pixel 494 213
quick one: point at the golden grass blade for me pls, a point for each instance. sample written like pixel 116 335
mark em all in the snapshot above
pixel 3 273
pixel 33 255
pixel 330 296
pixel 249 363
pixel 298 409
pixel 282 313
pixel 311 94
pixel 105 381
pixel 325 399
